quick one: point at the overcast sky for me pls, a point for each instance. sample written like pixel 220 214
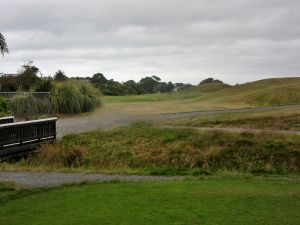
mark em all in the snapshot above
pixel 178 40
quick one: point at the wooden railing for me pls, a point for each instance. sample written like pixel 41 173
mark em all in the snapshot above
pixel 24 136
pixel 5 120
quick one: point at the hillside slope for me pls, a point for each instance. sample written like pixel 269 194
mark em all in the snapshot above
pixel 268 92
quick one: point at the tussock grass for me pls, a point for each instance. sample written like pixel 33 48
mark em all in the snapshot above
pixel 28 106
pixel 74 97
pixel 149 150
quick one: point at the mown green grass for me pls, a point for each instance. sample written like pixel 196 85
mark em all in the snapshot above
pixel 145 149
pixel 279 119
pixel 209 201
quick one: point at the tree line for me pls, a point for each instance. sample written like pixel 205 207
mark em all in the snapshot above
pixel 29 79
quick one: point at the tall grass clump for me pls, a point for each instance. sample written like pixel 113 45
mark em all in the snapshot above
pixel 26 106
pixel 90 97
pixel 74 97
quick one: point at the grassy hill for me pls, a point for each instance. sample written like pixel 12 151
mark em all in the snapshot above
pixel 268 92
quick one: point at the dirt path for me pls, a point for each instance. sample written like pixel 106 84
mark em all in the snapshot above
pixel 114 119
pixel 47 179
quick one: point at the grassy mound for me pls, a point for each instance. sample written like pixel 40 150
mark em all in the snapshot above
pixel 145 149
pixel 269 92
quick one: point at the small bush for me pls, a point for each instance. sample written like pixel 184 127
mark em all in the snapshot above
pixel 26 106
pixel 3 107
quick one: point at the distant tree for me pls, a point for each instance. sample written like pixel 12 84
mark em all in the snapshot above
pixel 206 81
pixel 182 86
pixel 170 87
pixel 60 76
pixel 99 79
pixel 162 87
pixel 3 45
pixel 44 85
pixel 156 78
pixel 114 88
pixel 210 80
pixel 9 83
pixel 132 87
pixel 28 76
pixel 148 85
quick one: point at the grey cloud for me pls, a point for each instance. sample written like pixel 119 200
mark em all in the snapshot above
pixel 234 40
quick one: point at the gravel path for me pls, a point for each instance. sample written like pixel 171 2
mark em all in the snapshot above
pixel 49 179
pixel 115 119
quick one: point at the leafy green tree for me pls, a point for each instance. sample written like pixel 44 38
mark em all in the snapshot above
pixel 210 80
pixel 114 88
pixel 3 45
pixel 149 85
pixel 132 87
pixel 99 79
pixel 156 78
pixel 9 83
pixel 28 76
pixel 60 76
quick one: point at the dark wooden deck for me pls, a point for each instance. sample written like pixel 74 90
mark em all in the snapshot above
pixel 5 120
pixel 26 136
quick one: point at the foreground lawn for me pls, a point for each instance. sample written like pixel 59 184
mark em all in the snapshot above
pixel 212 201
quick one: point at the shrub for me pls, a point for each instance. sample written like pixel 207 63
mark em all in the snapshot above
pixel 44 85
pixel 26 106
pixel 3 107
